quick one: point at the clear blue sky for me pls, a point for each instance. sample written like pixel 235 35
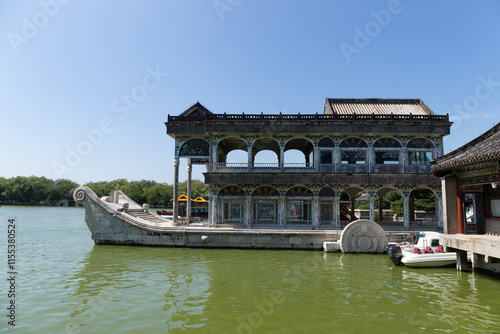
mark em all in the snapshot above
pixel 67 67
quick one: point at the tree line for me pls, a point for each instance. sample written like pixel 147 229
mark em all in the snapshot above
pixel 34 190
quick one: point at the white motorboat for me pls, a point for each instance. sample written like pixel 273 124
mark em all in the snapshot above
pixel 426 252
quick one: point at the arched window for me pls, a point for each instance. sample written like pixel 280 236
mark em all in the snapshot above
pixel 232 201
pixel 353 142
pixel 326 154
pixel 195 148
pixel 420 143
pixel 326 192
pixel 353 151
pixel 265 191
pixel 420 151
pixel 387 151
pixel 326 142
pixel 298 206
pixel 231 191
pixel 299 192
pixel 386 143
pixel 265 205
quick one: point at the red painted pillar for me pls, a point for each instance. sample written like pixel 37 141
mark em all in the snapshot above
pixel 460 217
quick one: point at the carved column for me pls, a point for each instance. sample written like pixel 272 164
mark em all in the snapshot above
pixel 248 210
pixel 404 160
pixel 316 159
pixel 213 205
pixel 188 202
pixel 371 160
pixel 406 210
pixel 281 210
pixel 176 190
pixel 315 211
pixel 250 160
pixel 336 211
pixel 372 208
pixel 210 206
pixel 282 157
pixel 336 159
pixel 214 159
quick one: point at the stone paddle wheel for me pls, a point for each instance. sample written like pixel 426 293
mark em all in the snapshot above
pixel 363 236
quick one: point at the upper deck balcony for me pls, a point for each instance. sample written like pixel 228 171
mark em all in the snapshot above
pixel 352 136
pixel 314 168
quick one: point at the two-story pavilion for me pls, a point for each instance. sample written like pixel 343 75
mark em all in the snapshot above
pixel 358 148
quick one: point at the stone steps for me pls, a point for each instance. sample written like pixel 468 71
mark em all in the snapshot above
pixel 147 216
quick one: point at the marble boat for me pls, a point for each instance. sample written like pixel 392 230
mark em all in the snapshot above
pixel 118 220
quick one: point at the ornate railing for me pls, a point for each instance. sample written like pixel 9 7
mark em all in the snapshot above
pixel 298 117
pixel 312 168
pixel 262 167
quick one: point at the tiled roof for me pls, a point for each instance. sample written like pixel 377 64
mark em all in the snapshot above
pixel 196 109
pixel 377 106
pixel 485 148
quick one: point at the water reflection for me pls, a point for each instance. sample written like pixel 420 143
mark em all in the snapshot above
pixel 68 285
pixel 250 291
pixel 164 286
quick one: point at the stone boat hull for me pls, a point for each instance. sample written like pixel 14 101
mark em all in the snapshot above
pixel 117 220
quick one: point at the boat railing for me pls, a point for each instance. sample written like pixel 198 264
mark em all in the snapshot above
pixel 262 167
pixel 316 116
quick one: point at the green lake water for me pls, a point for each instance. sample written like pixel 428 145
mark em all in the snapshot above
pixel 66 284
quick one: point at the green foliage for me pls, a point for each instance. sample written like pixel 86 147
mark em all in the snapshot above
pixel 394 200
pixel 35 190
pixel 424 200
pixel 160 195
pixel 198 189
pixel 397 207
pixel 144 191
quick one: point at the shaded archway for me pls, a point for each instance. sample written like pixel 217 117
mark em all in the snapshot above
pixel 233 145
pixel 301 145
pixel 390 209
pixel 298 206
pixel 422 208
pixel 232 204
pixel 327 209
pixel 261 147
pixel 265 202
pixel 353 201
